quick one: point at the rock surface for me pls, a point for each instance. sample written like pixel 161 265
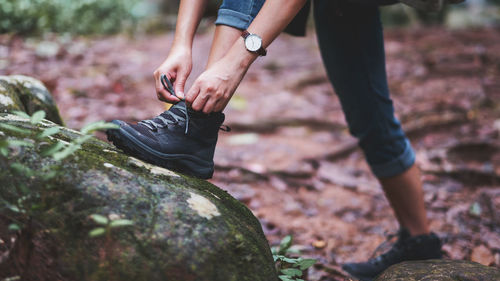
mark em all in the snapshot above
pixel 23 93
pixel 440 270
pixel 183 228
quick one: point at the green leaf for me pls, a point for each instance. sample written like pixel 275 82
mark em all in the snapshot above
pixel 292 272
pixel 100 125
pixel 22 169
pixel 285 244
pixel 4 151
pixel 306 263
pixel 19 143
pixel 274 250
pixel 290 260
pixel 14 129
pixel 294 249
pixel 82 139
pixel 97 232
pixel 121 222
pixel 285 278
pixel 49 132
pixel 14 227
pixel 49 175
pixel 53 149
pixel 15 209
pixel 21 114
pixel 475 209
pixel 37 117
pixel 70 149
pixel 100 219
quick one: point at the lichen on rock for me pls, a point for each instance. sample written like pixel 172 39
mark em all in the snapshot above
pixel 202 206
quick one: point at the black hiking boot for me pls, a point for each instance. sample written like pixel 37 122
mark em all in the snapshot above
pixel 429 5
pixel 179 139
pixel 406 248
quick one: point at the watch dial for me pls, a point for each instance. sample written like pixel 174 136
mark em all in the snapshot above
pixel 253 42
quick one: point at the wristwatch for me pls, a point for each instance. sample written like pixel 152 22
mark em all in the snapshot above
pixel 253 43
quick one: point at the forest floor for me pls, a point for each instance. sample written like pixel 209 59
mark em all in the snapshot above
pixel 290 157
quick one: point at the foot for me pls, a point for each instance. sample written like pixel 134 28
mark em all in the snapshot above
pixel 179 139
pixel 406 248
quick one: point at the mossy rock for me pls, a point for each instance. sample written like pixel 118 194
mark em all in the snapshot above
pixel 440 270
pixel 23 93
pixel 183 228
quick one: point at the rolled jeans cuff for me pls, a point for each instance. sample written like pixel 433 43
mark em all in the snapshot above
pixel 397 166
pixel 233 19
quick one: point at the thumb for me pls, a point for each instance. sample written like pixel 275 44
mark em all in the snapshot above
pixel 179 86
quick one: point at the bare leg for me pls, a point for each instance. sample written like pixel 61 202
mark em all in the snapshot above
pixel 405 195
pixel 224 38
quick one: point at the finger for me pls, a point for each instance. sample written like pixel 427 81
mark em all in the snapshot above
pixel 209 105
pixel 219 106
pixel 192 93
pixel 179 85
pixel 200 101
pixel 163 94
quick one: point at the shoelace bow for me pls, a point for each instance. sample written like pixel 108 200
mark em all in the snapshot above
pixel 169 117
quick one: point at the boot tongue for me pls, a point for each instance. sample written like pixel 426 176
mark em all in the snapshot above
pixel 179 108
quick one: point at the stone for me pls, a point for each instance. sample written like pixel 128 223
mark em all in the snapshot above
pixel 24 93
pixel 440 270
pixel 108 216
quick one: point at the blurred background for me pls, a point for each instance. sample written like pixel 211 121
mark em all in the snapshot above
pixel 300 174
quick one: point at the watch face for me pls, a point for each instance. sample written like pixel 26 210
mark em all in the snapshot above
pixel 253 42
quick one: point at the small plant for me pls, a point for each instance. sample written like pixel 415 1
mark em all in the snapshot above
pixel 106 224
pixel 290 268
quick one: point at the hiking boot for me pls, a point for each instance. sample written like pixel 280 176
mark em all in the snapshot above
pixel 179 139
pixel 406 248
pixel 429 5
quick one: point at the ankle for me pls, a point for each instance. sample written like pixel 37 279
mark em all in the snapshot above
pixel 415 231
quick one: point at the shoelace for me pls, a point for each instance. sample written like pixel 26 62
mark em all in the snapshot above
pixel 164 117
pixel 169 117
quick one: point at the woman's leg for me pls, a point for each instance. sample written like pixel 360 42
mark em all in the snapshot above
pixel 352 47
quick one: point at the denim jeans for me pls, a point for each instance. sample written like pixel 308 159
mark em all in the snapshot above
pixel 351 42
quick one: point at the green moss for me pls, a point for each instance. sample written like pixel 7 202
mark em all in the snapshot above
pixel 167 233
pixel 439 270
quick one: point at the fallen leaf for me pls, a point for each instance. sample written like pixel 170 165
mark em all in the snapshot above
pixel 482 255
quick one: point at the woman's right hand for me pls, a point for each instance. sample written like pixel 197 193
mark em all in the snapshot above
pixel 177 68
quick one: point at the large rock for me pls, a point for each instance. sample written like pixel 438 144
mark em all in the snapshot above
pixel 183 228
pixel 440 270
pixel 23 93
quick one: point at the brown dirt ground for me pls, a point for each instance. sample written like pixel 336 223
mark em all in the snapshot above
pixel 290 158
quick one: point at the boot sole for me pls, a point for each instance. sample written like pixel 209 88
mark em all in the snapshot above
pixel 182 163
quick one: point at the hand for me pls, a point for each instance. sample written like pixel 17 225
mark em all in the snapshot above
pixel 177 68
pixel 214 88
